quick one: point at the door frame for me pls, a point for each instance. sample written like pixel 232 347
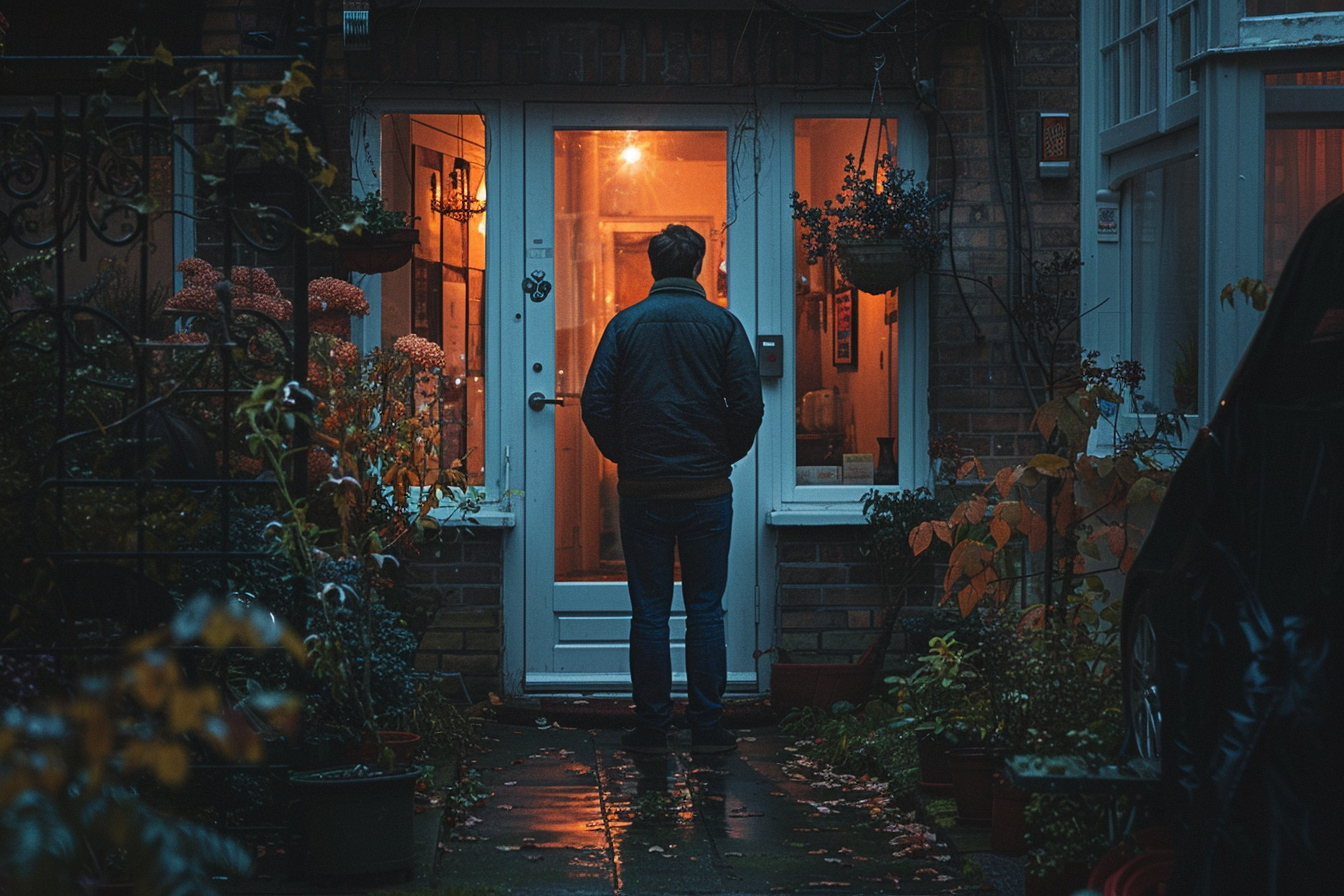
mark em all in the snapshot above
pixel 529 550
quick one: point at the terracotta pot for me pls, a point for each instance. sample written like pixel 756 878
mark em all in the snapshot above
pixel 972 771
pixel 820 684
pixel 1143 875
pixel 377 254
pixel 875 266
pixel 934 775
pixel 1008 829
pixel 1146 840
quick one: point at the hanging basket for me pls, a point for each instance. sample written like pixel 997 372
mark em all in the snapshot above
pixel 877 265
pixel 377 254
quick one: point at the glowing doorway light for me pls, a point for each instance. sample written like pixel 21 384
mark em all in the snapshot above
pixel 631 154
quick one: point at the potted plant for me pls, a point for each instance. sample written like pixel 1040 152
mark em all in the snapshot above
pixel 879 229
pixel 370 238
pixel 949 699
pixel 376 418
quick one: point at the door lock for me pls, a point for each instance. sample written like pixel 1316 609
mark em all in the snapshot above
pixel 536 401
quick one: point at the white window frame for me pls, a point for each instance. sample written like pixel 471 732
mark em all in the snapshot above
pixel 1235 54
pixel 1152 29
pixel 845 501
pixel 502 449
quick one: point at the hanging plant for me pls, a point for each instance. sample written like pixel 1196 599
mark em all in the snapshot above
pixel 879 229
pixel 370 239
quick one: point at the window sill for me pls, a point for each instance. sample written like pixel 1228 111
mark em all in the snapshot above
pixel 491 515
pixel 820 515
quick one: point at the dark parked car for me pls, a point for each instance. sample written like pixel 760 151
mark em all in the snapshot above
pixel 1231 633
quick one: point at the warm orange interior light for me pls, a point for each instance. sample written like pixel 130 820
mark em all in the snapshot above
pixel 631 154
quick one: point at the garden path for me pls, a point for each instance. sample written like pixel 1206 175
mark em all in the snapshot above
pixel 572 813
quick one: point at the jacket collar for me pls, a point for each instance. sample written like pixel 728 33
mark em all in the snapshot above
pixel 678 284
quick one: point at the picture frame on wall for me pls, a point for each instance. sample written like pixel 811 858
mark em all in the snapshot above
pixel 844 328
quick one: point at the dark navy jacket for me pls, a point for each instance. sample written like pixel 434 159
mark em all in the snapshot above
pixel 673 392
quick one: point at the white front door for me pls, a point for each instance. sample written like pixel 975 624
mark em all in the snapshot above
pixel 599 182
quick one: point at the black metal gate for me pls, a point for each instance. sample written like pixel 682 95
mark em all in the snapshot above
pixel 123 486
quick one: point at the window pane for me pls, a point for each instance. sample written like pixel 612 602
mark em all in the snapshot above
pixel 1181 50
pixel 1289 7
pixel 1304 169
pixel 1110 73
pixel 441 159
pixel 845 383
pixel 614 190
pixel 1149 86
pixel 1165 304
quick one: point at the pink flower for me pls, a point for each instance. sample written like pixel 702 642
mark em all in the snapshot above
pixel 330 294
pixel 252 289
pixel 423 353
pixel 344 354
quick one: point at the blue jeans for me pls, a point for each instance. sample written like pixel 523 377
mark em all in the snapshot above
pixel 700 530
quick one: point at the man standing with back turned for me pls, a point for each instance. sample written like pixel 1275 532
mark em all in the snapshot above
pixel 673 397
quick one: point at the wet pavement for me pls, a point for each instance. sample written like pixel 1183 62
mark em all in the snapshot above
pixel 573 813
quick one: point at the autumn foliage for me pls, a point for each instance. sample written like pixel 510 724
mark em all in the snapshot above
pixel 1065 503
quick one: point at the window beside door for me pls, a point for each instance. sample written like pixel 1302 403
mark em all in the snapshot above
pixel 846 387
pixel 434 168
pixel 1304 165
pixel 1164 309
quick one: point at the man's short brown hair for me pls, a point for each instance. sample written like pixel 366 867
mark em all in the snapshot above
pixel 675 252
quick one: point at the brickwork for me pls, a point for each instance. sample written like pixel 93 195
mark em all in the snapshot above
pixel 612 48
pixel 463 579
pixel 831 605
pixel 986 137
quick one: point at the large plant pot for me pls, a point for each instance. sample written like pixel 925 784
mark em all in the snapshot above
pixel 972 771
pixel 934 775
pixel 356 825
pixel 1008 827
pixel 875 266
pixel 377 254
pixel 820 684
pixel 428 823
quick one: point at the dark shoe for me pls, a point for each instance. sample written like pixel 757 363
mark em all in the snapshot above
pixel 644 740
pixel 713 740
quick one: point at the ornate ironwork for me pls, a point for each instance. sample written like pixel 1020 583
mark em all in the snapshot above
pixel 125 410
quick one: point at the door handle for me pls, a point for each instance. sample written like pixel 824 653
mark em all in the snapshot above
pixel 536 401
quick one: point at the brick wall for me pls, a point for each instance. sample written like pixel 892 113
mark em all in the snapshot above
pixel 831 605
pixel 463 579
pixel 977 379
pixel 604 48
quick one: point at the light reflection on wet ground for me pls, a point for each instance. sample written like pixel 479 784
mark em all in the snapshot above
pixel 572 813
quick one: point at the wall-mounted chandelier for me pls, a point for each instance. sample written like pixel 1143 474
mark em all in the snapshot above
pixel 457 200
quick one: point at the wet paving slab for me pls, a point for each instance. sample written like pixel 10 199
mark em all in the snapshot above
pixel 570 812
